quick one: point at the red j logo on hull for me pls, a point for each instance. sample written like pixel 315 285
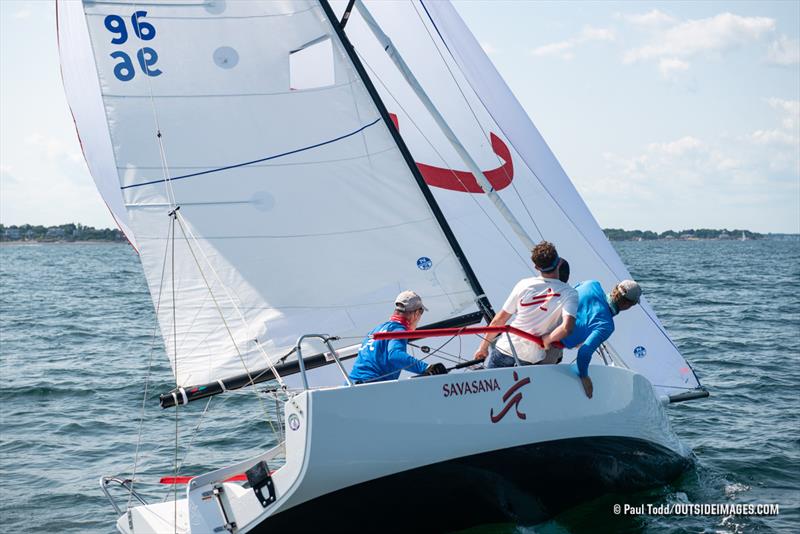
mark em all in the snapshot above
pixel 511 401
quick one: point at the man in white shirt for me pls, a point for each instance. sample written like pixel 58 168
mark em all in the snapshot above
pixel 541 305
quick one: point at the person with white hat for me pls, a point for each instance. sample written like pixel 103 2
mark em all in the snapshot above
pixel 380 360
pixel 594 322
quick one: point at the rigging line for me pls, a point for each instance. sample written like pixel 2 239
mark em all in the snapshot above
pixel 195 433
pixel 268 158
pixel 238 310
pixel 224 321
pixel 441 157
pixel 552 197
pixel 471 109
pixel 677 387
pixel 188 333
pixel 423 348
pixel 448 357
pixel 147 376
pixel 171 197
pixel 161 149
pixel 207 410
pixel 175 356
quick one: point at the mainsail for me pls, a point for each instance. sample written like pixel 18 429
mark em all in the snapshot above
pixel 297 212
pixel 298 208
pixel 462 82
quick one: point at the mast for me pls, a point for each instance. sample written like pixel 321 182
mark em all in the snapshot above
pixel 484 183
pixel 480 296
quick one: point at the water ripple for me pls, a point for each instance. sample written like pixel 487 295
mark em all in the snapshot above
pixel 76 327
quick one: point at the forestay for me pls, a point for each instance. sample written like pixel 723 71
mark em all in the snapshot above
pixel 465 87
pixel 297 214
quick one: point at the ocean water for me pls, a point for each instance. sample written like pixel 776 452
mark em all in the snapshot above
pixel 76 336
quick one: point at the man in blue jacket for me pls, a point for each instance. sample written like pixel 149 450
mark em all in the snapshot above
pixel 380 360
pixel 595 321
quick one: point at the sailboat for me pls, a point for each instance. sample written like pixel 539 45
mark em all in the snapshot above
pixel 283 170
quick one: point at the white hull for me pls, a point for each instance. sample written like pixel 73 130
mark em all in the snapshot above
pixel 363 438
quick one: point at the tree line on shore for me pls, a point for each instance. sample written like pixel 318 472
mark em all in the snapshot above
pixel 618 234
pixel 62 232
pixel 79 232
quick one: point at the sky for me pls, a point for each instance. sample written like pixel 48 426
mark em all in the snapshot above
pixel 665 115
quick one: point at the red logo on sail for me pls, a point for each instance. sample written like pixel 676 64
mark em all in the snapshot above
pixel 541 300
pixel 511 401
pixel 464 181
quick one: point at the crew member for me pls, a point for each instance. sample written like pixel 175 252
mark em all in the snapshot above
pixel 540 305
pixel 380 360
pixel 595 320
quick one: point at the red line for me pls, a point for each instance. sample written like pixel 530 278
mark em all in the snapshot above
pixel 467 330
pixel 185 480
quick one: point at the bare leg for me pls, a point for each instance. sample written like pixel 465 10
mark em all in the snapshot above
pixel 588 387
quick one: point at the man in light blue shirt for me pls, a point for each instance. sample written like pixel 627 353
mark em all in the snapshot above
pixel 595 321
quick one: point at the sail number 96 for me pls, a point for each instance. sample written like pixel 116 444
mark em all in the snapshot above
pixel 147 58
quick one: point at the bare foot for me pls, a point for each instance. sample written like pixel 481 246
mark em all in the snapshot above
pixel 588 387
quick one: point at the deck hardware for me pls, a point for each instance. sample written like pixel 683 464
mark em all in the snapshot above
pixel 217 490
pixel 258 476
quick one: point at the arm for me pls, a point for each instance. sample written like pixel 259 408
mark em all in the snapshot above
pixel 560 332
pixel 400 359
pixel 594 340
pixel 500 319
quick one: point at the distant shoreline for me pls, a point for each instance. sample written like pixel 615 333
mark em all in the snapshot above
pixel 72 233
pixel 34 243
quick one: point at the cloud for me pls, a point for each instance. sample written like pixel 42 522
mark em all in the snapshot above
pixel 654 18
pixel 704 36
pixel 792 107
pixel 790 110
pixel 566 49
pixel 6 176
pixel 669 67
pixel 773 137
pixel 787 135
pixel 680 147
pixel 784 51
pixel 52 148
pixel 750 178
pixel 22 14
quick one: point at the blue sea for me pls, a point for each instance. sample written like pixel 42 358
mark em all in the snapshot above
pixel 76 339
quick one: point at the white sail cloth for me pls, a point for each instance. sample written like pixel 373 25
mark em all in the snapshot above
pixel 297 212
pixel 469 92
